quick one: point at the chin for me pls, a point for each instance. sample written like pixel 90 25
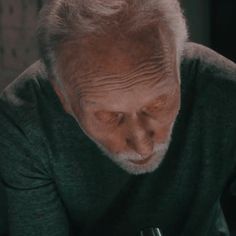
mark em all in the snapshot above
pixel 133 164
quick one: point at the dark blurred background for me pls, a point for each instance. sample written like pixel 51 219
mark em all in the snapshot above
pixel 210 22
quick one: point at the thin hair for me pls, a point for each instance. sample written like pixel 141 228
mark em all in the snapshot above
pixel 64 20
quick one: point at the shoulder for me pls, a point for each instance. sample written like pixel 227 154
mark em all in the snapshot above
pixel 205 70
pixel 27 99
pixel 209 86
pixel 209 98
pixel 19 93
pixel 207 62
pixel 209 83
pixel 23 143
pixel 24 110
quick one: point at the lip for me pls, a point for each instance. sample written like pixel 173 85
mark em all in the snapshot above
pixel 141 162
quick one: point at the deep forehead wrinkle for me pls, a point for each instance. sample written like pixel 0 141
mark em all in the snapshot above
pixel 152 98
pixel 96 91
pixel 148 71
pixel 145 64
pixel 141 79
pixel 111 54
pixel 87 101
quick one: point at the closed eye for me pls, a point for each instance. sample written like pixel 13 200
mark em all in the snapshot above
pixel 107 117
pixel 156 106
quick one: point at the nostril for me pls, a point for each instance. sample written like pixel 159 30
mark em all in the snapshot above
pixel 129 143
pixel 128 140
pixel 151 133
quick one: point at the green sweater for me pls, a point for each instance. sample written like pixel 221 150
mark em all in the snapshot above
pixel 58 183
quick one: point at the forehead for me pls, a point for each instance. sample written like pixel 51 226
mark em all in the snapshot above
pixel 114 71
pixel 132 100
pixel 113 53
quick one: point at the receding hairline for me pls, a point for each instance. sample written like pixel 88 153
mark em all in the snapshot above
pixel 77 56
pixel 54 26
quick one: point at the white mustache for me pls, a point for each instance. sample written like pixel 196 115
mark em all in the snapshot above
pixel 131 156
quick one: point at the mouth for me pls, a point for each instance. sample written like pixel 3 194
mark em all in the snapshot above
pixel 141 162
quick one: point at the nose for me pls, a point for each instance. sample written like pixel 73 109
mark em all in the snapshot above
pixel 141 141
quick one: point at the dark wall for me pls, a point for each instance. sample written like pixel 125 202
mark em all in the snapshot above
pixel 198 16
pixel 223 30
pixel 18 47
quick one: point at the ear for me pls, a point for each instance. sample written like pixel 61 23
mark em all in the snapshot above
pixel 61 96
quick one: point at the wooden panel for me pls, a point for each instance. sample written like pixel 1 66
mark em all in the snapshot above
pixel 18 47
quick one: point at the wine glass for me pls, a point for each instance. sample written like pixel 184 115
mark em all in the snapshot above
pixel 150 232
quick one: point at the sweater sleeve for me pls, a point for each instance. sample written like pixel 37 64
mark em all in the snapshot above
pixel 34 206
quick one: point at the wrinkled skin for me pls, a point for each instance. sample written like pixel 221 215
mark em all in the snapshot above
pixel 125 96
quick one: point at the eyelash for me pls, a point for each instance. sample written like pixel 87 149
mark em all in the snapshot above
pixel 149 112
pixel 116 119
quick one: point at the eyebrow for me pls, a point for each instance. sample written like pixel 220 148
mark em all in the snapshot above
pixel 160 97
pixel 93 103
pixel 90 102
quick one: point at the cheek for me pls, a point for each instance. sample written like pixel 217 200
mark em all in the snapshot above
pixel 170 114
pixel 162 134
pixel 85 121
pixel 162 126
pixel 114 142
pixel 111 138
pixel 115 145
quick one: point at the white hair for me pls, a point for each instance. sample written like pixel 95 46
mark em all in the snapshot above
pixel 63 20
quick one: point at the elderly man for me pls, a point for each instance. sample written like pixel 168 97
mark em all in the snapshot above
pixel 121 126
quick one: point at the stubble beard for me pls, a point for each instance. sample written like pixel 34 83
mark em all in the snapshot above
pixel 124 160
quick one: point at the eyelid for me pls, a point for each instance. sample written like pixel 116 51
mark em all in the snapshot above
pixel 109 117
pixel 157 105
